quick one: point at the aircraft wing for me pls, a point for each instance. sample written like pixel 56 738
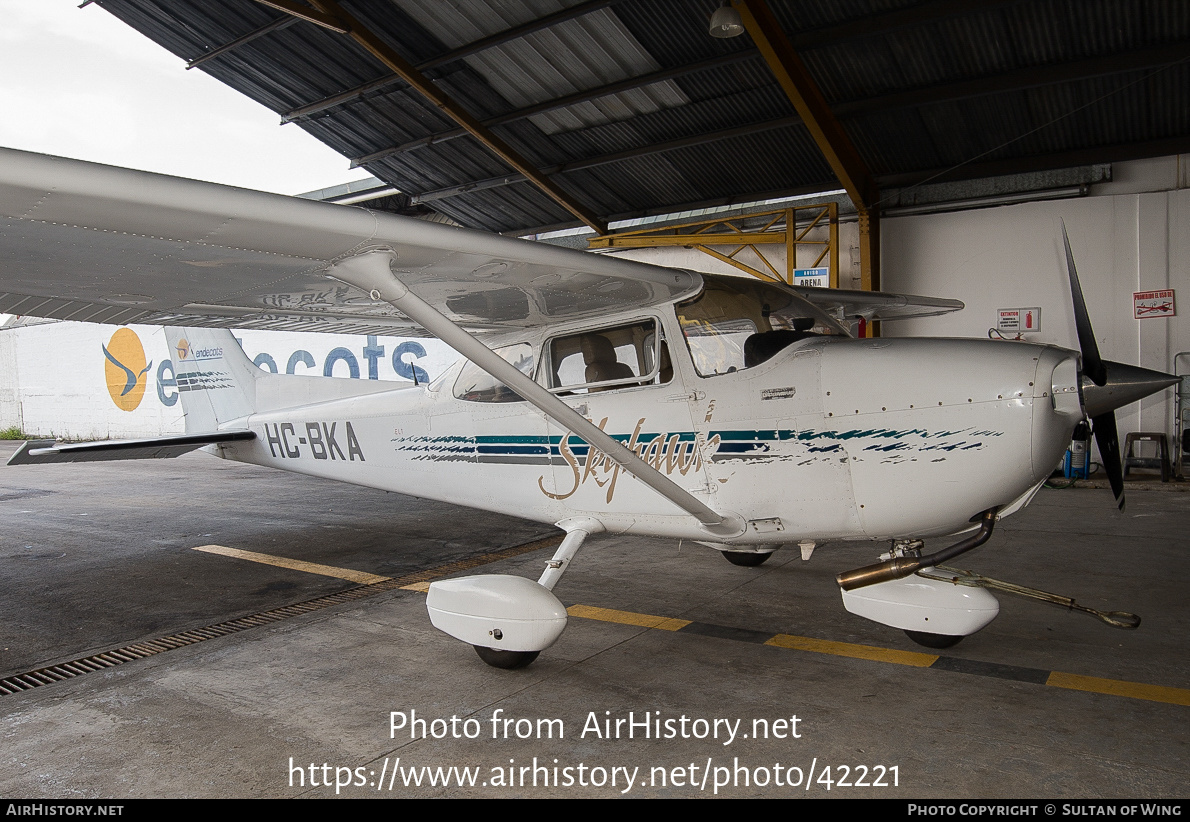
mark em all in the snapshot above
pixel 844 304
pixel 81 241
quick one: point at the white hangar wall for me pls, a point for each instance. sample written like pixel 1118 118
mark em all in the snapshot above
pixel 53 380
pixel 57 373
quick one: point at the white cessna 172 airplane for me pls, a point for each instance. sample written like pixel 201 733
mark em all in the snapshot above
pixel 596 393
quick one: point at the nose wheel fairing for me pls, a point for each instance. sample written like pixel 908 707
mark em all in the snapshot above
pixel 497 611
pixel 929 606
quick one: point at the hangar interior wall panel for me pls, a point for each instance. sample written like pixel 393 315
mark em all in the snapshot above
pixel 10 388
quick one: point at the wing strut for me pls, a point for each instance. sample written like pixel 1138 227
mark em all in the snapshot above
pixel 371 271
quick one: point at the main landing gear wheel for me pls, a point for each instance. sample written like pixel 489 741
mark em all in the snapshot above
pixel 505 659
pixel 935 641
pixel 747 559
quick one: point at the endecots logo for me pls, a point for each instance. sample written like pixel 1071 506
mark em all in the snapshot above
pixel 125 369
pixel 183 348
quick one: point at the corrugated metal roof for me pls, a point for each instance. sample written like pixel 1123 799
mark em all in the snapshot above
pixel 589 51
pixel 919 85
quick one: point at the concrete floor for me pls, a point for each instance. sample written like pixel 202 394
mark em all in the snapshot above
pixel 94 557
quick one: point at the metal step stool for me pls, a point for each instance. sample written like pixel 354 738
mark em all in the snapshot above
pixel 1161 460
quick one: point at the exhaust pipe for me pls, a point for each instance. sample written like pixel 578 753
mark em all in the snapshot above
pixel 901 567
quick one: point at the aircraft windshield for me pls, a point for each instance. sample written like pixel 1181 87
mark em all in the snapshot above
pixel 736 323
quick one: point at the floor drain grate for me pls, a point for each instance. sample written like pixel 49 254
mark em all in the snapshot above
pixel 150 647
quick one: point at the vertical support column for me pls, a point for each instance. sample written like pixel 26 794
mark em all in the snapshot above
pixel 790 245
pixel 869 259
pixel 833 213
pixel 828 134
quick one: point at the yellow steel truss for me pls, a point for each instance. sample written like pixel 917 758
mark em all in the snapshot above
pixel 789 228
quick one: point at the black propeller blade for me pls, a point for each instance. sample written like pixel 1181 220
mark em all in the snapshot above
pixel 1108 440
pixel 1103 425
pixel 1092 363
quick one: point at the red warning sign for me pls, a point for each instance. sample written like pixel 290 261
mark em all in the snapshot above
pixel 1146 304
pixel 1018 320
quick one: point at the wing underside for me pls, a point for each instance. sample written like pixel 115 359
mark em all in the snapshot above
pixel 81 241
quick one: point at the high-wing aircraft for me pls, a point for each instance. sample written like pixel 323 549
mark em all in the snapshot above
pixel 594 393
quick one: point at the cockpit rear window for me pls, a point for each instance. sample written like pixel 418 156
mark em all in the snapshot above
pixel 476 385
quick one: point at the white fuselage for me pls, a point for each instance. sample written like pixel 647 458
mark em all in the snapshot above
pixel 832 438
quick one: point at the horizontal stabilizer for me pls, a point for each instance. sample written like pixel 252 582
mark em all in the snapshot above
pixel 37 452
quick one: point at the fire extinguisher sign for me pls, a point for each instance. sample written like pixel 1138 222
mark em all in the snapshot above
pixel 1018 320
pixel 1146 304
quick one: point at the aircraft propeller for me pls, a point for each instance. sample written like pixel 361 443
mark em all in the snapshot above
pixel 1104 386
pixel 1112 384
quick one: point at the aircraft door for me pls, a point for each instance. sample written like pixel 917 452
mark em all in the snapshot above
pixel 622 378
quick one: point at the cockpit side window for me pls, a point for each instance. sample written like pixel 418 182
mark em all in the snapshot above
pixel 734 325
pixel 607 358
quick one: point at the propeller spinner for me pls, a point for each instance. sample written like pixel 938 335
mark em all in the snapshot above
pixel 1105 385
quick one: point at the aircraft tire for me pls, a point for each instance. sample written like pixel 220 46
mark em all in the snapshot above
pixel 747 559
pixel 933 640
pixel 508 660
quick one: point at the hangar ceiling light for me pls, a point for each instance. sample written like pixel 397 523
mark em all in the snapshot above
pixel 725 22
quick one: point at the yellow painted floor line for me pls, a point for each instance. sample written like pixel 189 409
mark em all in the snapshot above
pixel 1056 679
pixel 627 618
pixel 826 646
pixel 1118 687
pixel 420 581
pixel 294 564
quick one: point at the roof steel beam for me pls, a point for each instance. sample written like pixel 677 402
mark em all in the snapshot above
pixel 516 32
pixel 562 102
pixel 803 41
pixel 604 159
pixel 389 57
pixel 807 99
pixel 1019 80
pixel 499 38
pixel 795 80
pixel 316 16
pixel 338 99
pixel 877 24
pixel 276 25
pixel 1120 152
pixel 815 38
pixel 627 84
